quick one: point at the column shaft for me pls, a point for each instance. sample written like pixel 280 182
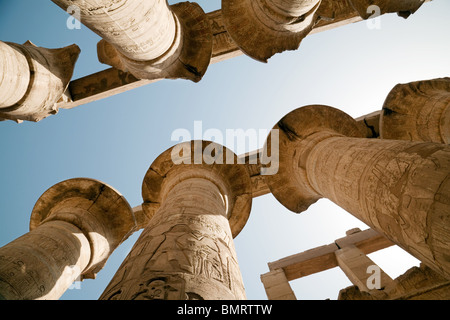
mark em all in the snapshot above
pixel 14 75
pixel 43 263
pixel 399 188
pixel 140 30
pixel 186 251
pixel 294 8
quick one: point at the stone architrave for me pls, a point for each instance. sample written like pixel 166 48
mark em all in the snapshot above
pixel 33 79
pixel 149 39
pixel 262 28
pixel 75 226
pixel 186 252
pixel 417 111
pixel 399 188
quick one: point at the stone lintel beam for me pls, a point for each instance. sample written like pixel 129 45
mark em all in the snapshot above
pixel 323 258
pixel 418 111
pixel 197 204
pixel 359 269
pixel 399 188
pixel 75 226
pixel 33 79
pixel 149 39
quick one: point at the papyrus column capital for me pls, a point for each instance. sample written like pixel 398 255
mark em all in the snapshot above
pixel 231 178
pixel 299 132
pixel 98 210
pixel 33 79
pixel 262 28
pixel 75 226
pixel 399 188
pixel 417 111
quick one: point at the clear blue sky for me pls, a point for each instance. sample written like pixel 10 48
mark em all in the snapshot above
pixel 116 139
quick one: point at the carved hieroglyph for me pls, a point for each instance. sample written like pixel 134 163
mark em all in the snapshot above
pixel 418 111
pixel 149 39
pixel 186 252
pixel 262 28
pixel 75 226
pixel 33 79
pixel 399 188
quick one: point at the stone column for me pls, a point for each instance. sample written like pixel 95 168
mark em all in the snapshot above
pixel 370 8
pixel 262 28
pixel 399 188
pixel 75 226
pixel 186 252
pixel 33 79
pixel 148 38
pixel 418 111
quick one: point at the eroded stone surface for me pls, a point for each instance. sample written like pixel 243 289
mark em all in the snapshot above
pixel 399 188
pixel 33 79
pixel 371 8
pixel 149 39
pixel 262 28
pixel 418 111
pixel 74 228
pixel 186 251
